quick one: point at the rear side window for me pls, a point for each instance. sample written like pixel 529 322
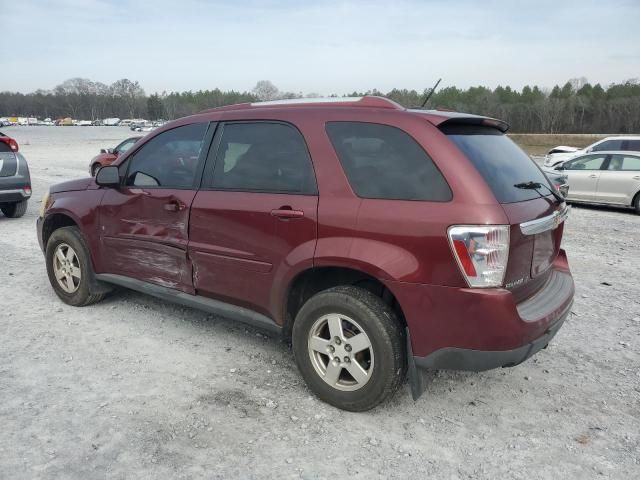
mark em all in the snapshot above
pixel 263 157
pixel 633 145
pixel 381 161
pixel 501 162
pixel 624 162
pixel 608 145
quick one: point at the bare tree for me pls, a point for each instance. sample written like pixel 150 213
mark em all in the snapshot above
pixel 265 90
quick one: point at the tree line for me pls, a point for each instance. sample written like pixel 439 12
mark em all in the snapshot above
pixel 575 107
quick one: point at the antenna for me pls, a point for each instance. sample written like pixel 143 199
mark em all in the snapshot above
pixel 431 93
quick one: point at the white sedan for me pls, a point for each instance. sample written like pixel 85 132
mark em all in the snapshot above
pixel 604 177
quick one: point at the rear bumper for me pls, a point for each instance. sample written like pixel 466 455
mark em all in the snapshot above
pixel 480 329
pixel 13 195
pixel 478 360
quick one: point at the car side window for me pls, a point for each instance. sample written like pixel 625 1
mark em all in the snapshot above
pixel 632 145
pixel 169 160
pixel 625 163
pixel 608 146
pixel 263 157
pixel 593 162
pixel 381 161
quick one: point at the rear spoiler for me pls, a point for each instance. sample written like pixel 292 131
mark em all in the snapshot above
pixel 442 118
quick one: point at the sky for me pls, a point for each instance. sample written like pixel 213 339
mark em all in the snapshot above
pixel 317 46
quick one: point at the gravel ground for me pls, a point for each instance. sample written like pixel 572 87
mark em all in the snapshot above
pixel 138 388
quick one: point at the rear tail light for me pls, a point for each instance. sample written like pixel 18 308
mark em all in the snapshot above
pixel 13 145
pixel 482 252
pixel 27 189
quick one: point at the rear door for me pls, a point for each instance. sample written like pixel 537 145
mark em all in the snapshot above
pixel 583 174
pixel 145 222
pixel 620 181
pixel 255 216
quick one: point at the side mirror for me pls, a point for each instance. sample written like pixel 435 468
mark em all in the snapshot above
pixel 559 167
pixel 103 150
pixel 108 176
pixel 110 150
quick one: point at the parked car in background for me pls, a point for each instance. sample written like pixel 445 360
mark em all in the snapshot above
pixel 9 142
pixel 15 181
pixel 611 178
pixel 561 154
pixel 108 155
pixel 327 221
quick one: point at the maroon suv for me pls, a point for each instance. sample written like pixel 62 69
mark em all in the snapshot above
pixel 380 240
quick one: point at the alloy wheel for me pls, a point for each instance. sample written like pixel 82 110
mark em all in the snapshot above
pixel 341 352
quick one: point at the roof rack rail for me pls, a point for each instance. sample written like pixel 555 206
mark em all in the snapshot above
pixel 369 101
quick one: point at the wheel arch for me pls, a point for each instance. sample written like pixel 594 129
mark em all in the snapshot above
pixel 54 221
pixel 316 279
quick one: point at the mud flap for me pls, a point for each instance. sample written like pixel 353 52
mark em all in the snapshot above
pixel 416 379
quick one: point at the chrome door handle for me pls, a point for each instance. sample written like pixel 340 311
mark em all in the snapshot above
pixel 636 177
pixel 593 175
pixel 286 213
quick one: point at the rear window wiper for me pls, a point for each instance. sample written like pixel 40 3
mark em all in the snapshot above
pixel 537 186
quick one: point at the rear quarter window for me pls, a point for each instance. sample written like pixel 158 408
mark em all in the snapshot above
pixel 384 162
pixel 499 160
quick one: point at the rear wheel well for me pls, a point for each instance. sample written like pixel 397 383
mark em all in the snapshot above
pixel 53 223
pixel 315 280
pixel 635 199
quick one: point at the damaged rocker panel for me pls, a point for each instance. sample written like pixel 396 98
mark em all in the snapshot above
pixel 199 302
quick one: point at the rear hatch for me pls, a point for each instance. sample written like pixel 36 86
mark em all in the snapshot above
pixel 535 214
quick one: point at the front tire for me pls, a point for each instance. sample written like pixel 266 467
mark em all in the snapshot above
pixel 350 348
pixel 15 210
pixel 69 268
pixel 94 169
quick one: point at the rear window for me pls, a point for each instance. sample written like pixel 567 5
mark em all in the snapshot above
pixel 384 162
pixel 500 161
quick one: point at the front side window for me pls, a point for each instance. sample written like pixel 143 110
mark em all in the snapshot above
pixel 593 162
pixel 608 145
pixel 169 160
pixel 263 157
pixel 384 162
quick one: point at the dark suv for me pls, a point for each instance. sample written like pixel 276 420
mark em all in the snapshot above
pixel 15 180
pixel 379 240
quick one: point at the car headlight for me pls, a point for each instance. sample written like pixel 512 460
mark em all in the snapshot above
pixel 45 203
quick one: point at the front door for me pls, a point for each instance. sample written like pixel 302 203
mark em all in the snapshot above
pixel 255 217
pixel 583 174
pixel 145 222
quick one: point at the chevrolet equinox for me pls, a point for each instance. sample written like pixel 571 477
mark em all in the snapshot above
pixel 379 240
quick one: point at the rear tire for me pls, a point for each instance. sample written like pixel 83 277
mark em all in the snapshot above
pixel 636 203
pixel 69 268
pixel 15 210
pixel 327 351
